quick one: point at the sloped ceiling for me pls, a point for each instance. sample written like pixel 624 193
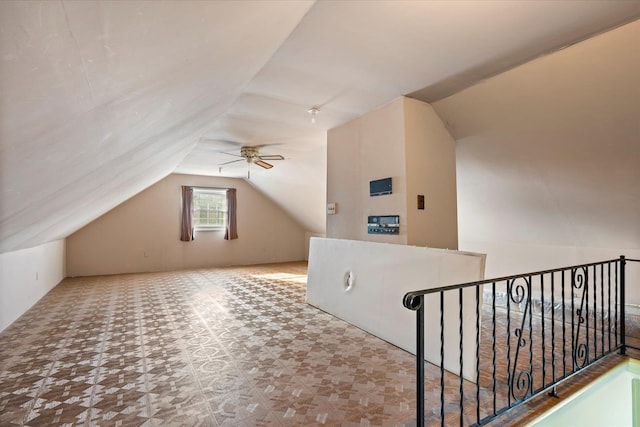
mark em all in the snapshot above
pixel 102 99
pixel 98 100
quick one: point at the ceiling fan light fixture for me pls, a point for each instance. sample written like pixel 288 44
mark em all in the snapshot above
pixel 251 155
pixel 313 111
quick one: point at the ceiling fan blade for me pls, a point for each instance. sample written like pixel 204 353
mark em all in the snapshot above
pixel 232 161
pixel 272 157
pixel 263 164
pixel 231 154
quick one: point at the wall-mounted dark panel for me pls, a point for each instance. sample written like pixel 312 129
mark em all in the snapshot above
pixel 380 187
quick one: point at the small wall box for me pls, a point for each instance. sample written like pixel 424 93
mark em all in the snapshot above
pixel 380 187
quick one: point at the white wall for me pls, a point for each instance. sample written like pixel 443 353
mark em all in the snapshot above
pixel 364 284
pixel 26 276
pixel 307 239
pixel 143 234
pixel 548 158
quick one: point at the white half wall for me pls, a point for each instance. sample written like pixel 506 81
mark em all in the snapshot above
pixel 364 283
pixel 26 276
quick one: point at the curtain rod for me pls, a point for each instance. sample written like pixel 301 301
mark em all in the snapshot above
pixel 212 188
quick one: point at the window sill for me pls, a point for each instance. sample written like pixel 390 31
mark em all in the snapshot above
pixel 209 229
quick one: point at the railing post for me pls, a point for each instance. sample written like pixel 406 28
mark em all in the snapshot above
pixel 623 262
pixel 420 362
pixel 416 303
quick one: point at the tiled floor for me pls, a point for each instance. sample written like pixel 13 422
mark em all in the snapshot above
pixel 232 346
pixel 235 346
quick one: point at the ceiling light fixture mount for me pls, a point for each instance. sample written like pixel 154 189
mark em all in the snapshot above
pixel 313 111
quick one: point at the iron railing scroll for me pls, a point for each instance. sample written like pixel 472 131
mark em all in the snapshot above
pixel 532 332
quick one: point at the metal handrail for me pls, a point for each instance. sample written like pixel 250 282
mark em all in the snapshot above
pixel 591 337
pixel 500 279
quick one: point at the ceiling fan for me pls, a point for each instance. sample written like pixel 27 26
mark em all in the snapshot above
pixel 252 155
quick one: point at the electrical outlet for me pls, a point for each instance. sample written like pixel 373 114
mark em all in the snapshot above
pixel 331 208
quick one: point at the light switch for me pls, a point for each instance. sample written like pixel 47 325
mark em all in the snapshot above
pixel 331 208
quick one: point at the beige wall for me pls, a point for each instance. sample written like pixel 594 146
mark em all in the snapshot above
pixel 548 158
pixel 143 233
pixel 368 148
pixel 431 171
pixel 26 276
pixel 404 140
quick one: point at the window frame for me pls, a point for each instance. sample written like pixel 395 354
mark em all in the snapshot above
pixel 209 190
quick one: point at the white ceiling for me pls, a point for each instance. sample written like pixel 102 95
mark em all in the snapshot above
pixel 99 100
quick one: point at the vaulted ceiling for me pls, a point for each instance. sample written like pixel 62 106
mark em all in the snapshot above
pixel 99 100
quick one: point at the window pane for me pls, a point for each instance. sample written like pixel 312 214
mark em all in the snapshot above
pixel 209 209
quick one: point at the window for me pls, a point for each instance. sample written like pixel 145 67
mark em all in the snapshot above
pixel 209 209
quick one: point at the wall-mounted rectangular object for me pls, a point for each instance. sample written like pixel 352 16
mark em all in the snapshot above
pixel 380 187
pixel 388 224
pixel 331 208
pixel 421 201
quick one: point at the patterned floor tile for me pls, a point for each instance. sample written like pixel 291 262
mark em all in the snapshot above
pixel 209 347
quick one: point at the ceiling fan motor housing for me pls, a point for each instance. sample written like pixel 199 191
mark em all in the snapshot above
pixel 250 153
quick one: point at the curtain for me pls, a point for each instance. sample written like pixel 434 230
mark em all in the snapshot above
pixel 186 227
pixel 232 226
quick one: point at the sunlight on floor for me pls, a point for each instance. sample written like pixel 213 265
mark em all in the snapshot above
pixel 296 278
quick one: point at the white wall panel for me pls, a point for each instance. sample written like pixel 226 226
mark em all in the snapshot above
pixel 381 274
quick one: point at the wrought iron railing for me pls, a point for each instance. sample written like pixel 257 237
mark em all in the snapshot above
pixel 532 332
